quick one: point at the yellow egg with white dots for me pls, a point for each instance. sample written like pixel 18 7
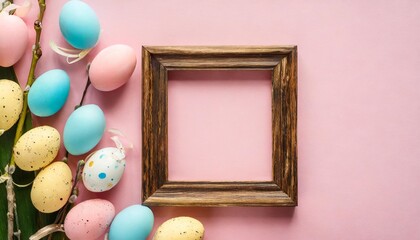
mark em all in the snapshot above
pixel 52 187
pixel 36 148
pixel 11 104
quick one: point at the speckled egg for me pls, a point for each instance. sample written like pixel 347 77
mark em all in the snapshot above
pixel 84 129
pixel 132 223
pixel 89 220
pixel 180 228
pixel 52 187
pixel 11 103
pixel 79 24
pixel 37 148
pixel 103 169
pixel 112 67
pixel 49 93
pixel 13 40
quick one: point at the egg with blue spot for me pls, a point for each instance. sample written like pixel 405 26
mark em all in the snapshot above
pixel 49 93
pixel 84 129
pixel 79 24
pixel 103 169
pixel 132 223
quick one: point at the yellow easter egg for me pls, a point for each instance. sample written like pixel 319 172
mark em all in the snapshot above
pixel 36 148
pixel 52 187
pixel 11 103
pixel 180 228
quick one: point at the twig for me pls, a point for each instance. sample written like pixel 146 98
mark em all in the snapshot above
pixel 88 82
pixel 36 55
pixel 74 193
pixel 74 190
pixel 10 204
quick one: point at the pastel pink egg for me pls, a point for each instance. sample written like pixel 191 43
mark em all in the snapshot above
pixel 112 67
pixel 89 220
pixel 13 40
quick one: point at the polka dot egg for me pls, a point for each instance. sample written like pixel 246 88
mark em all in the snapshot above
pixel 103 169
pixel 37 148
pixel 11 103
pixel 89 220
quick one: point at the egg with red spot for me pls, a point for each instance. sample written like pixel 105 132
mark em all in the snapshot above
pixel 13 40
pixel 112 67
pixel 89 220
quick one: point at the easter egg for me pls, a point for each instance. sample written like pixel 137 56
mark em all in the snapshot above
pixel 180 228
pixel 132 223
pixel 11 103
pixel 52 187
pixel 49 93
pixel 103 169
pixel 36 148
pixel 84 129
pixel 89 220
pixel 79 24
pixel 112 67
pixel 14 39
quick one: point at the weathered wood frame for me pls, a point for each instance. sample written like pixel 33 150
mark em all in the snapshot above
pixel 157 189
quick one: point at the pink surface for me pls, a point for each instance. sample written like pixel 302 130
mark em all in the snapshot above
pixel 219 125
pixel 359 107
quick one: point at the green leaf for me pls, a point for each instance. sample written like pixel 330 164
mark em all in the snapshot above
pixel 30 220
pixel 27 214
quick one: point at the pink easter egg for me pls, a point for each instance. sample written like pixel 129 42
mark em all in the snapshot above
pixel 89 220
pixel 112 67
pixel 13 40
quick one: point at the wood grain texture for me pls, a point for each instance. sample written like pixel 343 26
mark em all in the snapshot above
pixel 157 190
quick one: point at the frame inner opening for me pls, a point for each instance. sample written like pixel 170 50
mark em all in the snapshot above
pixel 219 125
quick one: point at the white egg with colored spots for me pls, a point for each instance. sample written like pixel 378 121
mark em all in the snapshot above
pixel 180 228
pixel 52 187
pixel 103 169
pixel 37 148
pixel 89 220
pixel 11 103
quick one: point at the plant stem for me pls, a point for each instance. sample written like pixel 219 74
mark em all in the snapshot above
pixel 81 100
pixel 84 93
pixel 74 193
pixel 10 208
pixel 36 55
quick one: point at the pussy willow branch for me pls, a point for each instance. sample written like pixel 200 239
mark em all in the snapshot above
pixel 74 193
pixel 36 55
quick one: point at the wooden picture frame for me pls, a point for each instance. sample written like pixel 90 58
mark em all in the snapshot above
pixel 157 189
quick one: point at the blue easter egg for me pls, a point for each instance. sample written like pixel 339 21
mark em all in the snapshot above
pixel 49 93
pixel 84 129
pixel 132 223
pixel 79 24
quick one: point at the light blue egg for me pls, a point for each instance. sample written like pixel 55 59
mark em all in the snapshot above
pixel 79 24
pixel 132 223
pixel 84 129
pixel 49 93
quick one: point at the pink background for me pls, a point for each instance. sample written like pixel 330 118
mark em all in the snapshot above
pixel 219 125
pixel 358 107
